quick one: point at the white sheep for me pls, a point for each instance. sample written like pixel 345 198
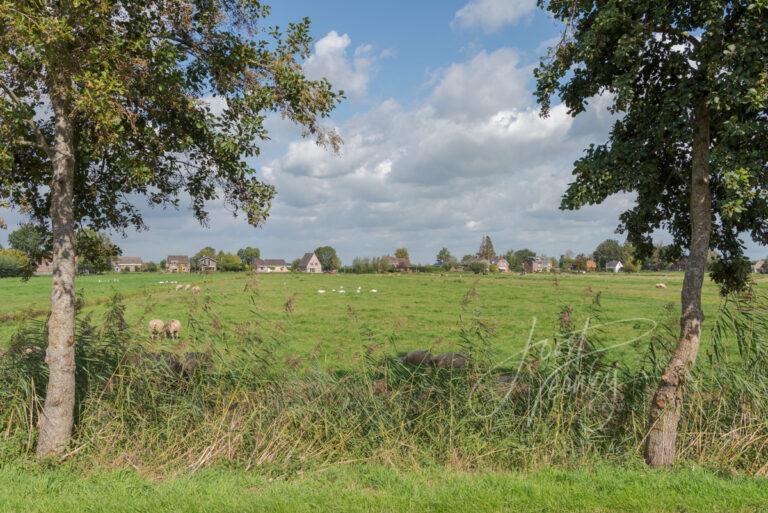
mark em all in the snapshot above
pixel 195 290
pixel 661 286
pixel 374 291
pixel 179 287
pixel 156 327
pixel 173 328
pixel 320 291
pixel 187 286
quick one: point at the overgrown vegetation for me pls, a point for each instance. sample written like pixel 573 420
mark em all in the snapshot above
pixel 235 401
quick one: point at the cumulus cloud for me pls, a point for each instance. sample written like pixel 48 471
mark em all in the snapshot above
pixel 473 157
pixel 332 59
pixel 491 15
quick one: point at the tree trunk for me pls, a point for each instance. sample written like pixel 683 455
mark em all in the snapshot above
pixel 667 403
pixel 56 418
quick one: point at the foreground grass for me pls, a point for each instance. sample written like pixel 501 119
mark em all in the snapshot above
pixel 361 488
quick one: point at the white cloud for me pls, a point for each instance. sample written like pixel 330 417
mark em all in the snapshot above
pixel 331 59
pixel 491 15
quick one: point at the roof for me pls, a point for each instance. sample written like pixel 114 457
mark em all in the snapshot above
pixel 305 260
pixel 613 263
pixel 206 257
pixel 181 259
pixel 498 259
pixel 129 260
pixel 270 262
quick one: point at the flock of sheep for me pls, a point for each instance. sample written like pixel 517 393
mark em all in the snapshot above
pixel 342 291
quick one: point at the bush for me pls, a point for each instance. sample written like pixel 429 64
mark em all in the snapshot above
pixel 14 263
pixel 478 267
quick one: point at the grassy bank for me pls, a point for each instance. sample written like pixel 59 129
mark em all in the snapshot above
pixel 359 488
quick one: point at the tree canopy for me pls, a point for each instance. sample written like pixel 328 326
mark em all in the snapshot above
pixel 165 98
pixel 657 63
pixel 486 251
pixel 329 260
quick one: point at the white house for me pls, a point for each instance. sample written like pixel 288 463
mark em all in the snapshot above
pixel 614 265
pixel 270 265
pixel 310 264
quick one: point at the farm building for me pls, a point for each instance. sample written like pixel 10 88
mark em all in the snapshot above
pixel 501 264
pixel 310 264
pixel 177 264
pixel 537 264
pixel 270 265
pixel 399 264
pixel 760 266
pixel 613 266
pixel 130 264
pixel 207 264
pixel 45 267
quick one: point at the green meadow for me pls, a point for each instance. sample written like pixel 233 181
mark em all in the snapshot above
pixel 306 407
pixel 405 312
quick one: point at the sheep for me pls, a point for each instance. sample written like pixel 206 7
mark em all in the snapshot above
pixel 450 361
pixel 179 287
pixel 320 291
pixel 374 291
pixel 420 357
pixel 661 286
pixel 156 327
pixel 187 286
pixel 173 328
pixel 195 290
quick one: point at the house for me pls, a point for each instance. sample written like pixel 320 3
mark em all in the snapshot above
pixel 501 264
pixel 45 267
pixel 613 265
pixel 537 264
pixel 761 266
pixel 128 264
pixel 270 265
pixel 207 264
pixel 591 265
pixel 310 264
pixel 398 264
pixel 177 264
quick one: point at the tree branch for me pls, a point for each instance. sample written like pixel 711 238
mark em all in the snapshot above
pixel 40 141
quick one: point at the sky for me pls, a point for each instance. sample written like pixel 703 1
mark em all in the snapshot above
pixel 443 143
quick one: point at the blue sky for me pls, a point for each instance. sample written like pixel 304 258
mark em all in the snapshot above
pixel 442 143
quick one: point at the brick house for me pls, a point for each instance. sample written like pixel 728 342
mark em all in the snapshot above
pixel 177 264
pixel 537 264
pixel 501 264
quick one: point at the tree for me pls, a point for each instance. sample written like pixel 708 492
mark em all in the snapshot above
pixel 228 262
pixel 295 264
pixel 515 259
pixel 445 259
pixel 689 81
pixel 249 255
pixel 478 266
pixel 95 251
pixel 607 250
pixel 29 239
pixel 402 253
pixel 486 251
pixel 328 258
pixel 150 267
pixel 106 101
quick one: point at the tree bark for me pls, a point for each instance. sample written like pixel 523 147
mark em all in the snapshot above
pixel 56 418
pixel 666 405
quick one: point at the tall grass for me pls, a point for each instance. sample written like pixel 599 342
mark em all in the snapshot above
pixel 560 401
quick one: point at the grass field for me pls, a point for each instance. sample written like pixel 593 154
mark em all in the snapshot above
pixel 407 312
pixel 360 488
pixel 247 435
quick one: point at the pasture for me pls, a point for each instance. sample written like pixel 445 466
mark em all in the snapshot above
pixel 406 312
